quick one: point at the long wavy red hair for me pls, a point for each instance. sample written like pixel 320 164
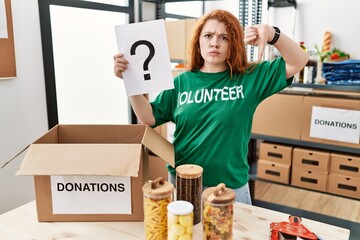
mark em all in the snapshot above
pixel 236 60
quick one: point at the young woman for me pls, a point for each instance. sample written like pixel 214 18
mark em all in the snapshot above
pixel 213 102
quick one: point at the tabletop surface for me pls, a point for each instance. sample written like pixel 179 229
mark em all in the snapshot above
pixel 250 223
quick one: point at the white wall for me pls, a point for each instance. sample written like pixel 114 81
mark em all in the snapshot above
pixel 313 18
pixel 23 116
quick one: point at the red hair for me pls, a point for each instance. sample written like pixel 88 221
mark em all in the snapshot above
pixel 236 60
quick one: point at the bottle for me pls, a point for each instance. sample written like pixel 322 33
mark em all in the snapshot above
pixel 310 69
pixel 180 220
pixel 218 212
pixel 301 73
pixel 189 187
pixel 157 196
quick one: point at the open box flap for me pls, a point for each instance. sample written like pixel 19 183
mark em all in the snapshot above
pixel 82 159
pixel 159 145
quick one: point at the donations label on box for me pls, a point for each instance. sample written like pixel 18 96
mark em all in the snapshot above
pixel 335 124
pixel 91 194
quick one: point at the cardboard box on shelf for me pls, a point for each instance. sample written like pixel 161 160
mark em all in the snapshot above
pixel 332 103
pixel 280 116
pixel 343 185
pixel 178 34
pixel 92 172
pixel 310 179
pixel 345 164
pixel 272 171
pixel 311 159
pixel 275 152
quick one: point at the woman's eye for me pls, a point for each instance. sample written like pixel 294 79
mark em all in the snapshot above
pixel 207 35
pixel 224 38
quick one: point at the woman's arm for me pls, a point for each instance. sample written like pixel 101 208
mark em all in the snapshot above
pixel 139 103
pixel 294 56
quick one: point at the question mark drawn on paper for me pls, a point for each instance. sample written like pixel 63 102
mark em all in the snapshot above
pixel 148 59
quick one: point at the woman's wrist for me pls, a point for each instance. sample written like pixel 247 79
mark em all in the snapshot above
pixel 276 36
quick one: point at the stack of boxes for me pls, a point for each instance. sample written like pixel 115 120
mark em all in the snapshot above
pixel 344 177
pixel 310 168
pixel 314 169
pixel 274 162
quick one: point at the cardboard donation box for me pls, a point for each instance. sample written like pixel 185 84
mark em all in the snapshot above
pixel 178 35
pixel 272 171
pixel 276 152
pixel 92 172
pixel 280 116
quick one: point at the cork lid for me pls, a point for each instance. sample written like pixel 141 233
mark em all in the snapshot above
pixel 219 194
pixel 158 188
pixel 189 171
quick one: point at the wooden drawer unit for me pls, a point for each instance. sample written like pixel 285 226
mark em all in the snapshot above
pixel 343 164
pixel 311 159
pixel 310 179
pixel 275 152
pixel 343 185
pixel 273 171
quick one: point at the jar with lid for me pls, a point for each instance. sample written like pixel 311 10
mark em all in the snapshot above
pixel 157 196
pixel 189 187
pixel 180 220
pixel 218 212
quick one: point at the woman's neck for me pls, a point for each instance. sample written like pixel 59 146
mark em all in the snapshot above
pixel 208 68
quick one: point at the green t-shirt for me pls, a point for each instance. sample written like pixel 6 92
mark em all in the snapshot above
pixel 213 116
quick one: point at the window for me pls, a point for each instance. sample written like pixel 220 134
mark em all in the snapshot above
pixel 78 44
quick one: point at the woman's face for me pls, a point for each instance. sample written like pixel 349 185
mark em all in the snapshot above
pixel 214 46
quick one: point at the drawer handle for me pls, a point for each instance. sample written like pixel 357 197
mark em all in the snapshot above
pixel 309 180
pixel 274 173
pixel 275 155
pixel 347 187
pixel 310 162
pixel 349 168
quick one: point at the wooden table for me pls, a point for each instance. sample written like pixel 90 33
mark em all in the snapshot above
pixel 250 223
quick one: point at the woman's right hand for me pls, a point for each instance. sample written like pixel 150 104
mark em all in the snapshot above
pixel 120 64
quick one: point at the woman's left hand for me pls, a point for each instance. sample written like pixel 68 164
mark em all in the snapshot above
pixel 258 35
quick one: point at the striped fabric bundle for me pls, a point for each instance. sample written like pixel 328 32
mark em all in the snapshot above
pixel 342 73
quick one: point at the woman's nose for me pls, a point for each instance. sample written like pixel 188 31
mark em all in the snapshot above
pixel 214 42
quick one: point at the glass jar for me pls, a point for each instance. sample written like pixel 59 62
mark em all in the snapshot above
pixel 157 196
pixel 310 69
pixel 180 220
pixel 189 187
pixel 218 212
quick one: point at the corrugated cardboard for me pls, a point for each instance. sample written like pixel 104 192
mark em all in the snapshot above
pixel 178 34
pixel 273 171
pixel 310 179
pixel 280 116
pixel 276 152
pixel 338 103
pixel 343 185
pixel 345 164
pixel 95 150
pixel 311 159
pixel 157 167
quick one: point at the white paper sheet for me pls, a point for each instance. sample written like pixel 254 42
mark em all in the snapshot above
pixel 145 73
pixel 3 22
pixel 335 124
pixel 91 195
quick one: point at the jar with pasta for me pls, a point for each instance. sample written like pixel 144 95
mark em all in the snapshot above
pixel 218 212
pixel 180 220
pixel 189 187
pixel 157 196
